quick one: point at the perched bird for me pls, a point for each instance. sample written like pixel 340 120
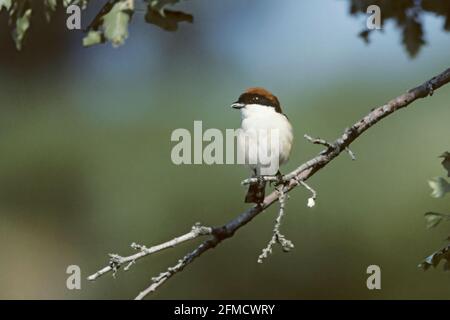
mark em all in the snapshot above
pixel 264 139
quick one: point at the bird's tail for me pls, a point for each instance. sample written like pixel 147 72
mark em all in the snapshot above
pixel 256 192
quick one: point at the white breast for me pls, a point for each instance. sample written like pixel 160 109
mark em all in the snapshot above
pixel 260 127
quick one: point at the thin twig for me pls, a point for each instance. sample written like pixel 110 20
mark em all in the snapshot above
pixel 328 145
pixel 350 153
pixel 162 277
pixel 312 199
pixel 318 141
pixel 277 236
pixel 117 261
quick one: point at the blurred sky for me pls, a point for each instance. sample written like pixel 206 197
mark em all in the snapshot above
pixel 86 143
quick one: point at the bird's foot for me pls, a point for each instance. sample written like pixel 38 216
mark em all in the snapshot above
pixel 277 180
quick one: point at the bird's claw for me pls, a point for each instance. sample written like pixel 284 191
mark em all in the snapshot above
pixel 279 180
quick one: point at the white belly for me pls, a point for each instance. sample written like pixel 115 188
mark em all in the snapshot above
pixel 265 139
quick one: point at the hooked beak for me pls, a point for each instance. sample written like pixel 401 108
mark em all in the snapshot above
pixel 237 105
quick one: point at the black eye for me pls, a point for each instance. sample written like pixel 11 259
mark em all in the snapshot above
pixel 256 98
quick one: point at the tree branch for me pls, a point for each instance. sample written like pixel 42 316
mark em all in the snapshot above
pixel 291 180
pixel 117 261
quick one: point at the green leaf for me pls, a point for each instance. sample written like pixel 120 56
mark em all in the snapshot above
pixel 110 24
pixel 22 25
pixel 446 162
pixel 93 37
pixel 434 259
pixel 159 5
pixel 81 3
pixel 440 187
pixel 115 22
pixel 434 218
pixel 166 19
pixel 67 3
pixel 51 4
pixel 365 35
pixel 5 4
pixel 413 37
pixel 169 20
pixel 50 7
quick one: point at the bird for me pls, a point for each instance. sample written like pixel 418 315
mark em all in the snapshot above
pixel 265 134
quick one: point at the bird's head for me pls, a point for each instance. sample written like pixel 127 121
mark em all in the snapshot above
pixel 257 96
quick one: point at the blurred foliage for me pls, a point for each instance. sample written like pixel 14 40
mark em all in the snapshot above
pixel 433 218
pixel 446 162
pixel 20 12
pixel 440 187
pixel 169 20
pixel 435 258
pixel 407 16
pixel 112 21
pixel 110 24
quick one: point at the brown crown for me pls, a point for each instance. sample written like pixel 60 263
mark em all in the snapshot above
pixel 263 92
